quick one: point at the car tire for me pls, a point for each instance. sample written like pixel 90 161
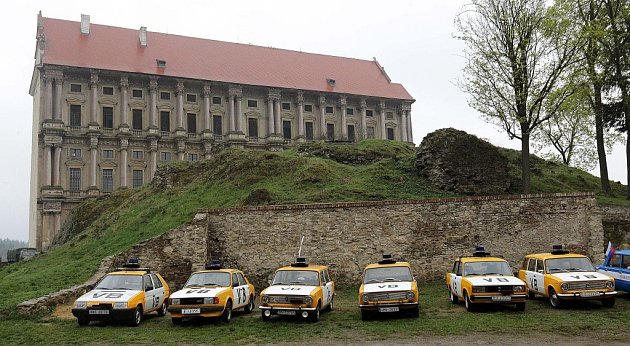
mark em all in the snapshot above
pixel 137 317
pixel 454 298
pixel 163 309
pixel 314 316
pixel 83 322
pixel 608 302
pixel 469 305
pixel 531 295
pixel 176 321
pixel 264 318
pixel 250 306
pixel 330 306
pixel 227 312
pixel 366 315
pixel 415 313
pixel 520 306
pixel 554 300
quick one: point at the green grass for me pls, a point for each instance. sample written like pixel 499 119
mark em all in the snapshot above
pixel 439 318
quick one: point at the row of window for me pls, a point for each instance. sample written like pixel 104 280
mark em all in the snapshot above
pixel 107 179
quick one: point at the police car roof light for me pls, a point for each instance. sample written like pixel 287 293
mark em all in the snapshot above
pixel 480 251
pixel 558 250
pixel 133 263
pixel 214 264
pixel 387 259
pixel 300 262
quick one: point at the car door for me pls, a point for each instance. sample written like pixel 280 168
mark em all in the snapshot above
pixel 243 288
pixel 238 292
pixel 149 293
pixel 535 276
pixel 159 292
pixel 456 279
pixel 327 288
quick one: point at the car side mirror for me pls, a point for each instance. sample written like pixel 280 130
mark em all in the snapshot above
pixel 147 289
pixel 269 282
pixel 540 271
pixel 234 284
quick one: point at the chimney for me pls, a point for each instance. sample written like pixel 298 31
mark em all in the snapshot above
pixel 85 24
pixel 143 36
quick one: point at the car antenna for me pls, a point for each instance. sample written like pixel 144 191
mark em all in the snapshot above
pixel 300 250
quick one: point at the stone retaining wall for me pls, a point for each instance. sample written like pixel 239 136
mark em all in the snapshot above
pixel 616 222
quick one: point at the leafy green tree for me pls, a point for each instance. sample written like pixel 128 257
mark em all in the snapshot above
pixel 517 56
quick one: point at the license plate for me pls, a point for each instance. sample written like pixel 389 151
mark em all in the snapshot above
pixel 501 298
pixel 191 311
pixel 99 312
pixel 589 294
pixel 389 309
pixel 286 312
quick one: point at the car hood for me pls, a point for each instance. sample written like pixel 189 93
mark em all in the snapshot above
pixel 494 280
pixel 386 287
pixel 580 276
pixel 108 295
pixel 199 292
pixel 290 290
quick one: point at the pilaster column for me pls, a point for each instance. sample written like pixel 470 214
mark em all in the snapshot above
pixel 93 153
pixel 153 86
pixel 270 119
pixel 232 121
pixel 300 119
pixel 48 165
pixel 381 106
pixel 240 117
pixel 403 126
pixel 409 128
pixel 93 97
pixel 344 124
pixel 57 167
pixel 180 105
pixel 123 162
pixel 48 96
pixel 322 117
pixel 278 118
pixel 207 124
pixel 124 101
pixel 363 107
pixel 58 93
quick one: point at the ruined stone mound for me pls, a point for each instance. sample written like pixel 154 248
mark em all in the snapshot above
pixel 453 160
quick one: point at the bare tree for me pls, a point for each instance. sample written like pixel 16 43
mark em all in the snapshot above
pixel 516 57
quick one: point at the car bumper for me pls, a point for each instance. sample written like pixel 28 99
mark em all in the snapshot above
pixel 206 311
pixel 514 298
pixel 400 306
pixel 577 296
pixel 111 315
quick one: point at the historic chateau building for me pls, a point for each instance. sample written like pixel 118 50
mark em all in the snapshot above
pixel 111 104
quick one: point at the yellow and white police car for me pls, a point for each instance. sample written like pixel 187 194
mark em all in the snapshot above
pixel 298 290
pixel 388 287
pixel 482 279
pixel 214 292
pixel 561 276
pixel 124 295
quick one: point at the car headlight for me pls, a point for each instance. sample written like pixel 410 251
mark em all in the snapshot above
pixel 519 288
pixel 175 301
pixel 610 284
pixel 410 295
pixel 308 300
pixel 211 300
pixel 564 286
pixel 80 305
pixel 478 289
pixel 365 298
pixel 120 305
pixel 264 299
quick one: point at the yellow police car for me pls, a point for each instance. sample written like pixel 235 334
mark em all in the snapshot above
pixel 388 287
pixel 298 290
pixel 561 276
pixel 124 295
pixel 214 292
pixel 482 279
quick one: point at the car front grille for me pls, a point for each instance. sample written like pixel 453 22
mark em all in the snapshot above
pixel 287 299
pixel 503 289
pixel 103 306
pixel 586 285
pixel 377 296
pixel 190 301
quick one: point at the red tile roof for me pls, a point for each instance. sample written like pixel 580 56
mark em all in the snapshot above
pixel 118 49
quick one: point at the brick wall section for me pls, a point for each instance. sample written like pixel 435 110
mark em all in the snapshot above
pixel 616 222
pixel 428 233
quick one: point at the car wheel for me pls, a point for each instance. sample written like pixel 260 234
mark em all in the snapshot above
pixel 176 321
pixel 250 306
pixel 163 309
pixel 554 300
pixel 454 298
pixel 520 306
pixel 469 305
pixel 331 305
pixel 265 318
pixel 365 315
pixel 314 316
pixel 415 313
pixel 227 312
pixel 531 295
pixel 608 302
pixel 137 317
pixel 83 321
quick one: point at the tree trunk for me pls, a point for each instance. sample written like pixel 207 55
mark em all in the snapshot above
pixel 525 169
pixel 599 137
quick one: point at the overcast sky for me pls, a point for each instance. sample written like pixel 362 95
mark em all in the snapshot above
pixel 411 39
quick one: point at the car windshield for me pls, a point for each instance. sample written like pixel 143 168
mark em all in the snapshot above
pixel 487 268
pixel 208 279
pixel 569 264
pixel 385 274
pixel 296 277
pixel 120 282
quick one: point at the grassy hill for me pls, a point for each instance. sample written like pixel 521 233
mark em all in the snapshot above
pixel 370 170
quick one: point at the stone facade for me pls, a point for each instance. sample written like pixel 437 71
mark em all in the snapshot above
pixel 616 222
